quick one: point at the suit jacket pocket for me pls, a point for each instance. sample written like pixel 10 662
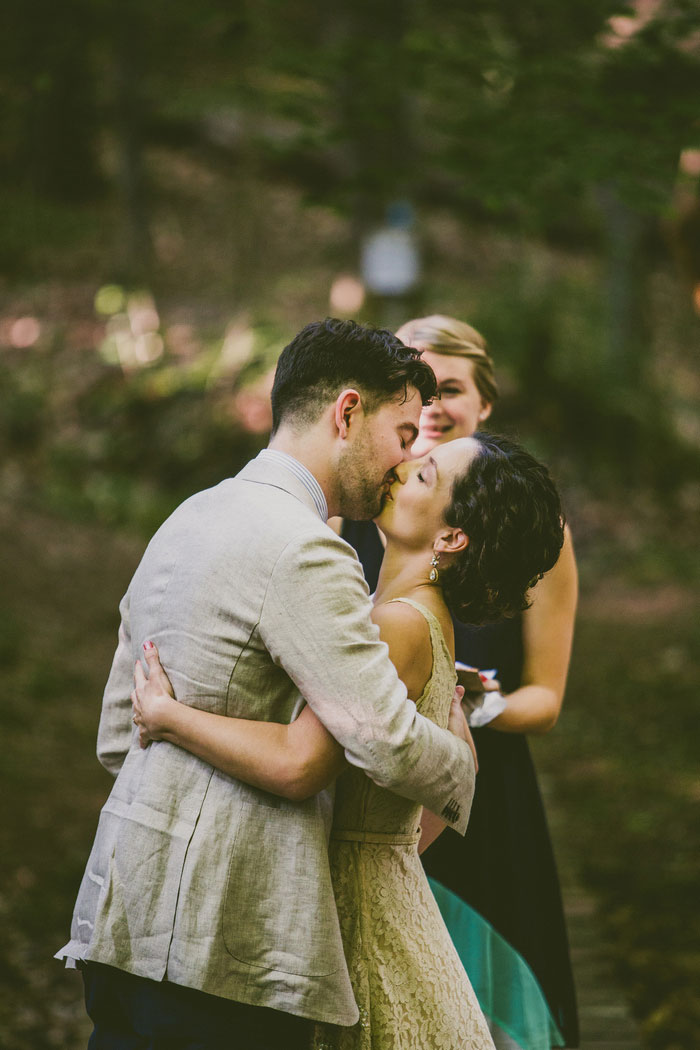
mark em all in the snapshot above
pixel 279 910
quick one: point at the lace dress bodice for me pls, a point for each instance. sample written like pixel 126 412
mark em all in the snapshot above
pixel 362 806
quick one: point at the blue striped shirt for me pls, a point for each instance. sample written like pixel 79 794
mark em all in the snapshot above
pixel 304 475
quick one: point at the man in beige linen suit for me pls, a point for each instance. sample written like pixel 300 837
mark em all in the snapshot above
pixel 206 915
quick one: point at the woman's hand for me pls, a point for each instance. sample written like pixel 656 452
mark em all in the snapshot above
pixel 457 723
pixel 153 697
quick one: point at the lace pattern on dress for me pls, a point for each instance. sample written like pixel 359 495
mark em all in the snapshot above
pixel 410 986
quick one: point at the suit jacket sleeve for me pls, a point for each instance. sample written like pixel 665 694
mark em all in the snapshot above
pixel 115 731
pixel 315 623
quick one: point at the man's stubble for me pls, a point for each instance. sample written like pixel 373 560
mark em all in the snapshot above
pixel 361 494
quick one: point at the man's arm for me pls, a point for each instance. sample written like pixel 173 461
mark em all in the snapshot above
pixel 295 760
pixel 316 624
pixel 115 731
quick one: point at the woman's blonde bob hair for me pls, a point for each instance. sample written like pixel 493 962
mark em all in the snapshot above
pixel 446 335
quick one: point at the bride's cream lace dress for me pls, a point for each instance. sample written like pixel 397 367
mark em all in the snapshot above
pixel 410 986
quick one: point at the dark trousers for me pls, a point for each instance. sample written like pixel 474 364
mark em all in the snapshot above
pixel 133 1013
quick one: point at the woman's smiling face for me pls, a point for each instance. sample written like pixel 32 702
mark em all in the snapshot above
pixel 414 510
pixel 459 409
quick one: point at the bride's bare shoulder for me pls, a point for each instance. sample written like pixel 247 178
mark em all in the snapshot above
pixel 405 630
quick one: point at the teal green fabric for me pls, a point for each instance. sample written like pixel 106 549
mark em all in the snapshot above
pixel 507 989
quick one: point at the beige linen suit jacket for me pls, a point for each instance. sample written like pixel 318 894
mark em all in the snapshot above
pixel 195 877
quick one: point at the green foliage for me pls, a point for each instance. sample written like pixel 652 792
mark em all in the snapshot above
pixel 10 637
pixel 548 120
pixel 522 109
pixel 547 331
pixel 123 448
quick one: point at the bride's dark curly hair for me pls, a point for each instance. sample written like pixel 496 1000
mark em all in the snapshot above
pixel 507 505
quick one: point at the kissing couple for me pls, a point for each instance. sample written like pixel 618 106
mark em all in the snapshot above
pixel 255 879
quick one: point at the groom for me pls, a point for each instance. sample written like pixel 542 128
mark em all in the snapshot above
pixel 206 915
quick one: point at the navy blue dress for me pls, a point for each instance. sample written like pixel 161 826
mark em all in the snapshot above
pixel 504 867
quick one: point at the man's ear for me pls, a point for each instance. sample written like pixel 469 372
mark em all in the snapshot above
pixel 451 541
pixel 348 410
pixel 485 411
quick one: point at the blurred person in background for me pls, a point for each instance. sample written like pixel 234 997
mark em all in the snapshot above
pixel 468 527
pixel 498 887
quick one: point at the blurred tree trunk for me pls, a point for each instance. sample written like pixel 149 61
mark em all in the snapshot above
pixel 373 103
pixel 50 116
pixel 629 264
pixel 684 237
pixel 130 104
pixel 376 108
pixel 254 35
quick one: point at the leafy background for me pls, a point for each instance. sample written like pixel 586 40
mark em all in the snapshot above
pixel 183 187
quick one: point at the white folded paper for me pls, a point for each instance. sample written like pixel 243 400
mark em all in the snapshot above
pixel 491 706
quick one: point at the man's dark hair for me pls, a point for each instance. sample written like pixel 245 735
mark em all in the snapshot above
pixel 328 356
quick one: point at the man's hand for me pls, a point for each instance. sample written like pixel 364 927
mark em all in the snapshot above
pixel 152 698
pixel 457 723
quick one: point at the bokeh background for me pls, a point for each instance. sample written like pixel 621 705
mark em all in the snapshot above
pixel 184 186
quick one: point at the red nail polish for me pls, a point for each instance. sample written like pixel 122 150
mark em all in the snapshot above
pixel 148 645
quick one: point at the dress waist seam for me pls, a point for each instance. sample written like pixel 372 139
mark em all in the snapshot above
pixel 378 837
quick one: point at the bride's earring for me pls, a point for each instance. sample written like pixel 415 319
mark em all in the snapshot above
pixel 433 575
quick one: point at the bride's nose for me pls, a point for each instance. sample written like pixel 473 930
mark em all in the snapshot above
pixel 404 471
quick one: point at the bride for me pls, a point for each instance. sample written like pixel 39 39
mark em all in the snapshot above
pixel 470 528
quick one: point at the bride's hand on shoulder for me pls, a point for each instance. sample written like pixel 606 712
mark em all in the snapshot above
pixel 153 697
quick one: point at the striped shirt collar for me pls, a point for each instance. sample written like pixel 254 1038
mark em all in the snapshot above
pixel 303 474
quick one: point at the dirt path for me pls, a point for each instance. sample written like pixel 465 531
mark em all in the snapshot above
pixel 604 1017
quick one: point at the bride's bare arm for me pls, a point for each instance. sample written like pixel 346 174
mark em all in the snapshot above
pixel 295 760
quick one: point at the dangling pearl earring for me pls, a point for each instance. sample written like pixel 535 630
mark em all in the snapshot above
pixel 433 575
